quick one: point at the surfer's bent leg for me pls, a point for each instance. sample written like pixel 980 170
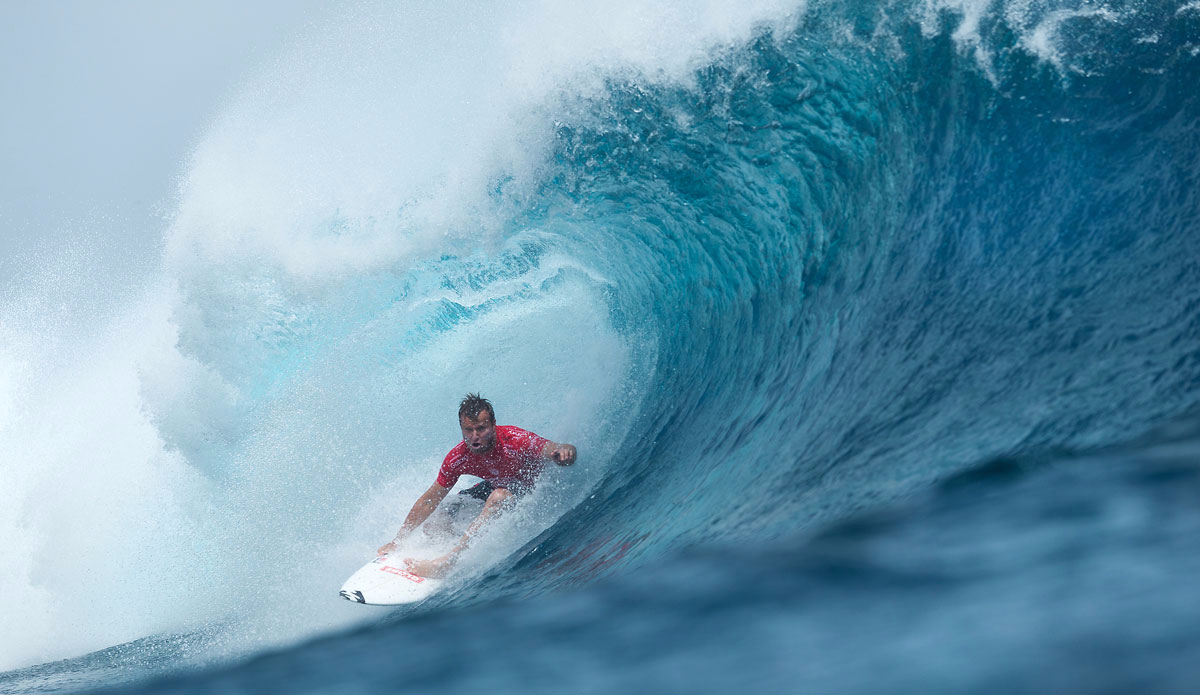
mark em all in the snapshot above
pixel 496 502
pixel 454 516
pixel 441 524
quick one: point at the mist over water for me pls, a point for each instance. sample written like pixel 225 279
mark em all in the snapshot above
pixel 770 268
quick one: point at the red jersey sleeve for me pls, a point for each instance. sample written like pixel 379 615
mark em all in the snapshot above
pixel 527 443
pixel 449 474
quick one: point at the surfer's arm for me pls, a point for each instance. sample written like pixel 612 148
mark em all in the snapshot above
pixel 420 511
pixel 562 454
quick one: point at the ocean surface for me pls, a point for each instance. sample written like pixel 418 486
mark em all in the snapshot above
pixel 876 324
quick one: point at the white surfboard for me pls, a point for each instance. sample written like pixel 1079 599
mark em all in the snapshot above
pixel 384 582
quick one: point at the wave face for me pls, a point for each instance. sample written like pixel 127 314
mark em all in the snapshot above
pixel 769 270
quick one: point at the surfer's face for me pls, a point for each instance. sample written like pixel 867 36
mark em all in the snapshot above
pixel 479 433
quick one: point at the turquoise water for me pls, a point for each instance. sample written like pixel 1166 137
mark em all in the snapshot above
pixel 876 327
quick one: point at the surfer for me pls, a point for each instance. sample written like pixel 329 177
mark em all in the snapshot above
pixel 508 459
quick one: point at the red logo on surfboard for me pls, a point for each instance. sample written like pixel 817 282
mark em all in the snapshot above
pixel 403 573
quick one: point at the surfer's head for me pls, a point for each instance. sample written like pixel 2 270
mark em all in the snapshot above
pixel 478 422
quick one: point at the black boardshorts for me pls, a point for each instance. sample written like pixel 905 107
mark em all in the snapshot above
pixel 483 489
pixel 480 491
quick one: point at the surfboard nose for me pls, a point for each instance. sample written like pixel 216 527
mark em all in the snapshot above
pixel 355 596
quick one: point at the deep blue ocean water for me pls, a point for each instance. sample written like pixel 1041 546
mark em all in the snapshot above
pixel 878 329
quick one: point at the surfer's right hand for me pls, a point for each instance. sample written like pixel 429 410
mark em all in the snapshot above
pixel 386 548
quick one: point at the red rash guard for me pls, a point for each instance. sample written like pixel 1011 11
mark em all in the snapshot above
pixel 514 462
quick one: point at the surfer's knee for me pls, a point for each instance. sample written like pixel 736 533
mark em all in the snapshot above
pixel 500 496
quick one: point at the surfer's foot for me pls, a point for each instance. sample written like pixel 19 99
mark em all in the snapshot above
pixel 431 569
